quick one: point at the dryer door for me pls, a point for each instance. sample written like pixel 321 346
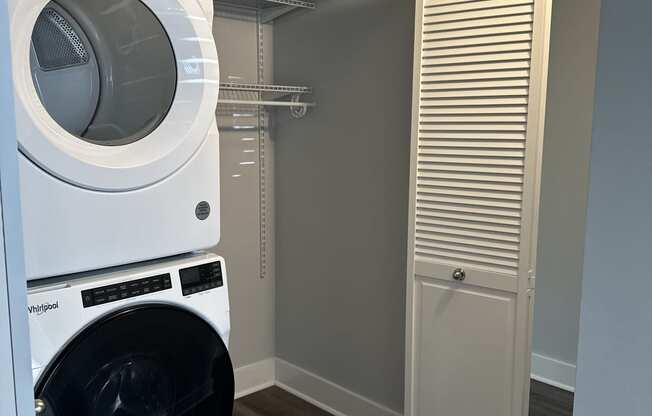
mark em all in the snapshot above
pixel 144 361
pixel 113 95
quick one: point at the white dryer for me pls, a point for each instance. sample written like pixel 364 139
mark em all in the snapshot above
pixel 119 157
pixel 150 340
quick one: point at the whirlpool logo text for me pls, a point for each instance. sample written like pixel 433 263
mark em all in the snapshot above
pixel 42 308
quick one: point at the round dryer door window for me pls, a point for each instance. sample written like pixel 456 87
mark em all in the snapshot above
pixel 114 92
pixel 113 95
pixel 144 361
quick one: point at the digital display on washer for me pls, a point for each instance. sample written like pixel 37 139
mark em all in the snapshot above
pixel 199 278
pixel 118 291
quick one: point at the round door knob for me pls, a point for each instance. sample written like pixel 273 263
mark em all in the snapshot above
pixel 39 406
pixel 459 275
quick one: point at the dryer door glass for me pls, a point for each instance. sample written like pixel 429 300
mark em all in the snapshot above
pixel 104 70
pixel 144 361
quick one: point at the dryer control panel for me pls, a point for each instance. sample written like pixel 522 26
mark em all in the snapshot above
pixel 119 291
pixel 200 278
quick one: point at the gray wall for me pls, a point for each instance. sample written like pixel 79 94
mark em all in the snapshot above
pixel 615 337
pixel 564 187
pixel 342 194
pixel 252 298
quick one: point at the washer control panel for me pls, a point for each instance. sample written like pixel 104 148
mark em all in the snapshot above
pixel 200 278
pixel 119 291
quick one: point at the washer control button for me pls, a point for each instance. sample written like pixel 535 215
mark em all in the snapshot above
pixel 125 290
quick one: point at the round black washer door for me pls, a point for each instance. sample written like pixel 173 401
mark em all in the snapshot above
pixel 154 360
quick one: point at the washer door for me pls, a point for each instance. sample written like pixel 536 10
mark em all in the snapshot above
pixel 113 95
pixel 145 361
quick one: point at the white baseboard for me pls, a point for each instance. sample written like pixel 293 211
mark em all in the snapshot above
pixel 553 372
pixel 325 394
pixel 340 401
pixel 254 377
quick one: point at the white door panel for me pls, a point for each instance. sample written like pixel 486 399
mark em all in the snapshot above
pixel 479 100
pixel 471 374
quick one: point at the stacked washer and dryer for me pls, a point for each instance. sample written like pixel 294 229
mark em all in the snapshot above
pixel 119 166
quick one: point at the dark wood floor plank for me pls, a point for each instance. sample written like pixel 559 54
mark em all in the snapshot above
pixel 275 402
pixel 545 400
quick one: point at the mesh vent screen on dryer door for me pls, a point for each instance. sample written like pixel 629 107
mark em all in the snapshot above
pixel 56 43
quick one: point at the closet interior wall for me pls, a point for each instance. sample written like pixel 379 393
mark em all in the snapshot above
pixel 251 281
pixel 564 189
pixel 342 179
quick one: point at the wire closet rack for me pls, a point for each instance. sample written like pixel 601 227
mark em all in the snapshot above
pixel 262 94
pixel 239 94
pixel 268 9
pixel 234 94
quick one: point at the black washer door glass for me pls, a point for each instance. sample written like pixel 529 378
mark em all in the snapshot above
pixel 104 70
pixel 143 361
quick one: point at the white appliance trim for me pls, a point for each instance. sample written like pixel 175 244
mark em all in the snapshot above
pixel 144 162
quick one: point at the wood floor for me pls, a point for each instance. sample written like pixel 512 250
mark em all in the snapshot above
pixel 544 401
pixel 275 402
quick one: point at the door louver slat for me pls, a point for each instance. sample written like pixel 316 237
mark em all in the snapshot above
pixel 438 3
pixel 477 50
pixel 457 255
pixel 479 110
pixel 433 212
pixel 475 78
pixel 480 58
pixel 452 224
pixel 468 201
pixel 477 23
pixel 465 192
pixel 478 41
pixel 439 7
pixel 478 93
pixel 484 16
pixel 469 177
pixel 466 237
pixel 427 149
pixel 475 67
pixel 483 31
pixel 475 135
pixel 478 118
pixel 470 185
pixel 441 244
pixel 488 170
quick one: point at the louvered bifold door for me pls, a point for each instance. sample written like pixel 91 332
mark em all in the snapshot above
pixel 480 76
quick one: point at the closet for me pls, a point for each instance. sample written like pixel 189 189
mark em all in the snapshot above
pixel 314 219
pixel 316 107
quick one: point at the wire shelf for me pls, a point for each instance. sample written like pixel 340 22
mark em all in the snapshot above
pixel 266 95
pixel 269 9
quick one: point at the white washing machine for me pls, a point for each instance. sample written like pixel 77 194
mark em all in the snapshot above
pixel 119 157
pixel 149 340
